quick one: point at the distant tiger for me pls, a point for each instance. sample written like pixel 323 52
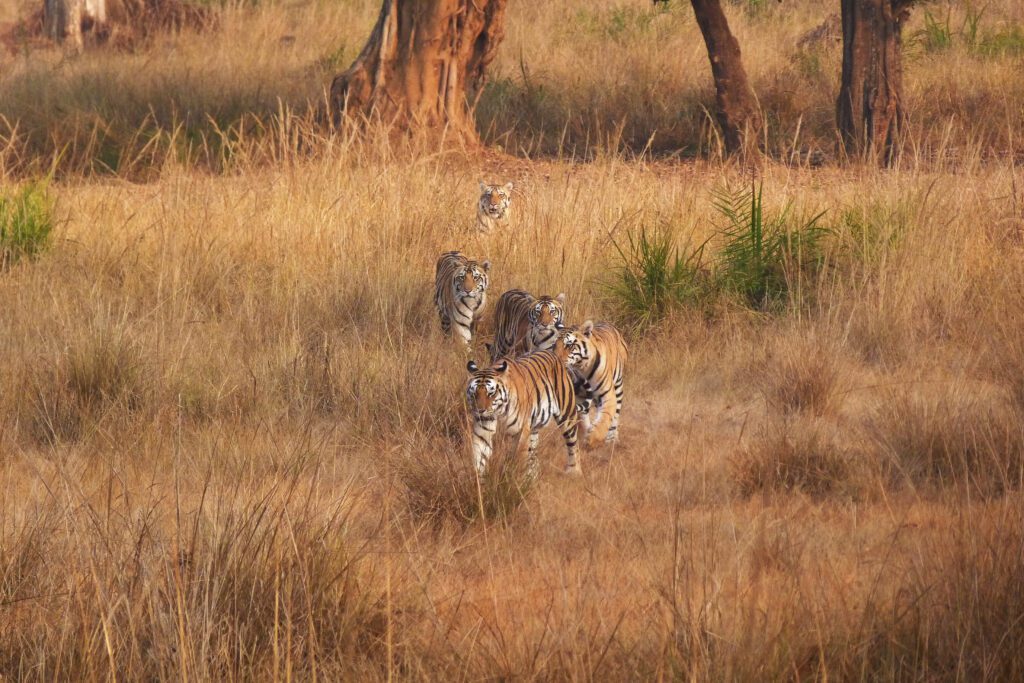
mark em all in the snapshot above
pixel 524 395
pixel 493 206
pixel 523 323
pixel 460 292
pixel 596 355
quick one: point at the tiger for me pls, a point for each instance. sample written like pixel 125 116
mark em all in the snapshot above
pixel 460 293
pixel 524 394
pixel 493 206
pixel 523 323
pixel 596 356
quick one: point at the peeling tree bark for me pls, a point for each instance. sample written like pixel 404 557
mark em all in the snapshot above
pixel 735 103
pixel 869 111
pixel 423 66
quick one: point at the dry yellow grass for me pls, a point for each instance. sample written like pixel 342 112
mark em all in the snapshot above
pixel 224 396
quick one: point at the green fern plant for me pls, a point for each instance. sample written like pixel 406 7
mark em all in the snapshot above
pixel 26 221
pixel 655 276
pixel 762 254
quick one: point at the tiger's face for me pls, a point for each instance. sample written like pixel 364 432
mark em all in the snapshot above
pixel 547 312
pixel 486 392
pixel 577 344
pixel 495 200
pixel 471 279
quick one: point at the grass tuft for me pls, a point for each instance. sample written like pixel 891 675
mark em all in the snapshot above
pixel 800 373
pixel 950 438
pixel 764 257
pixel 442 489
pixel 26 221
pixel 655 277
pixel 790 456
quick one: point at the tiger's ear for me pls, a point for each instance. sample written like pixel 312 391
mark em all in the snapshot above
pixel 560 298
pixel 471 366
pixel 486 265
pixel 483 186
pixel 508 187
pixel 587 328
pixel 502 368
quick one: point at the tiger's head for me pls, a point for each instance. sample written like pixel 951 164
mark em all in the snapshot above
pixel 577 343
pixel 494 200
pixel 470 279
pixel 547 313
pixel 486 391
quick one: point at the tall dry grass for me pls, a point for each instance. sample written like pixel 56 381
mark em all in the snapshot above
pixel 232 437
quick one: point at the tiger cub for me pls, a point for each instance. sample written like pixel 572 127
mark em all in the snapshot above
pixel 523 323
pixel 596 355
pixel 493 206
pixel 524 395
pixel 460 292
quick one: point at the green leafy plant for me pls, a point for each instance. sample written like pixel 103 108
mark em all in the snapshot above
pixel 655 276
pixel 1007 42
pixel 937 34
pixel 26 221
pixel 762 256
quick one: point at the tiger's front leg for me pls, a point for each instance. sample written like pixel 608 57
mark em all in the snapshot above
pixel 601 425
pixel 526 445
pixel 532 464
pixel 465 334
pixel 570 433
pixel 613 430
pixel 584 399
pixel 483 442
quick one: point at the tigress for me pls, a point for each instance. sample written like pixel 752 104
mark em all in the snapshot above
pixel 596 355
pixel 493 206
pixel 523 323
pixel 460 292
pixel 524 395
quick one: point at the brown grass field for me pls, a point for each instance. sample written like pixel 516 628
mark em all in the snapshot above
pixel 232 436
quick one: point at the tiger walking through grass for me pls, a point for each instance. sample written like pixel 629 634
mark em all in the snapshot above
pixel 460 293
pixel 524 323
pixel 596 356
pixel 523 395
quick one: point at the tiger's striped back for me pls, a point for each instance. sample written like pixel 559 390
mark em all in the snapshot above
pixel 525 323
pixel 524 395
pixel 460 293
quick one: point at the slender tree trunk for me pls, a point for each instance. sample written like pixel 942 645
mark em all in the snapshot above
pixel 735 103
pixel 423 66
pixel 869 111
pixel 63 21
pixel 66 21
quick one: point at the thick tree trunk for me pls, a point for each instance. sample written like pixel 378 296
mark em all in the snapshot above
pixel 869 111
pixel 65 21
pixel 423 66
pixel 735 103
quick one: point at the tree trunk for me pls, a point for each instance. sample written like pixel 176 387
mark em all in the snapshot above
pixel 65 21
pixel 736 106
pixel 423 66
pixel 869 111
